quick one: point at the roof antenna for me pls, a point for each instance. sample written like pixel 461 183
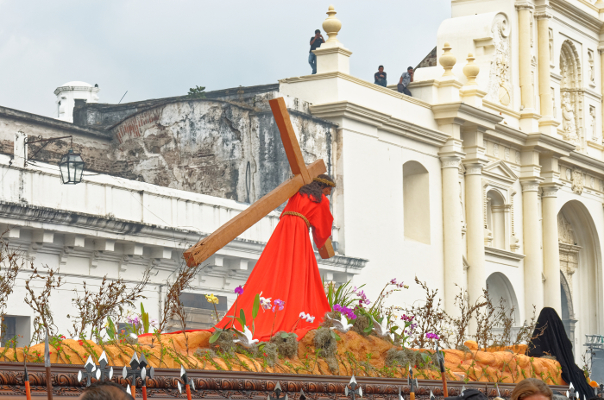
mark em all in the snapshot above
pixel 122 97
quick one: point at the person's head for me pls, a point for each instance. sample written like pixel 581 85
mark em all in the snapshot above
pixel 321 185
pixel 410 70
pixel 317 31
pixel 105 391
pixel 381 68
pixel 532 389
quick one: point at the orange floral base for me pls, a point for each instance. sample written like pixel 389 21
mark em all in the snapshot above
pixel 368 355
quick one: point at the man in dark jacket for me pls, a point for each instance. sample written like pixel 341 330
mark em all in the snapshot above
pixel 315 42
pixel 380 77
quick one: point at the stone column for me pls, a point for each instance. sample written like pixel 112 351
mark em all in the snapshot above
pixel 551 253
pixel 524 43
pixel 533 262
pixel 543 62
pixel 475 236
pixel 453 251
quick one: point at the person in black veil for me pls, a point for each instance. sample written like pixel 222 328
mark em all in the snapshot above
pixel 549 338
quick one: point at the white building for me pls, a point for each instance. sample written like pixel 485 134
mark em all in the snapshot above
pixel 67 95
pixel 491 174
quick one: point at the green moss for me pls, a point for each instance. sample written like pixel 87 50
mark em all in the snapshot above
pixel 224 343
pixel 405 357
pixel 287 344
pixel 333 365
pixel 325 342
pixel 361 323
pixel 270 353
pixel 327 347
pixel 201 353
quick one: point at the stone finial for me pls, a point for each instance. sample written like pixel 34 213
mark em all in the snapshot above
pixel 471 70
pixel 447 60
pixel 332 25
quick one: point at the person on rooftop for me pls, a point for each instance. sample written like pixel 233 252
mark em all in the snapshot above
pixel 405 80
pixel 380 77
pixel 315 42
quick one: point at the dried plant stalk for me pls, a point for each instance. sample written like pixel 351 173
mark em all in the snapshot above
pixel 110 301
pixel 10 263
pixel 40 303
pixel 173 307
pixel 429 316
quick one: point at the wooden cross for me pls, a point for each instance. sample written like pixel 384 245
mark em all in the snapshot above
pixel 303 175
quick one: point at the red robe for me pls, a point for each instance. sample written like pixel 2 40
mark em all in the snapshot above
pixel 287 270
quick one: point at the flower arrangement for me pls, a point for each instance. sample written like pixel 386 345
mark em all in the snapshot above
pixel 347 312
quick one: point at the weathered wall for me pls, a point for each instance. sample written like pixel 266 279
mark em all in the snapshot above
pixel 214 147
pixel 226 148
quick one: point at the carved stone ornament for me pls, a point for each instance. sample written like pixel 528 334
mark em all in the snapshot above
pixel 578 181
pixel 566 234
pixel 450 162
pixel 499 88
pixel 473 169
pixel 530 186
pixel 569 125
pixel 592 124
pixel 549 191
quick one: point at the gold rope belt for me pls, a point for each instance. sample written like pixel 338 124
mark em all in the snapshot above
pixel 297 215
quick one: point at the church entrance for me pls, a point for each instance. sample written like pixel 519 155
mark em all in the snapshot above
pixel 580 266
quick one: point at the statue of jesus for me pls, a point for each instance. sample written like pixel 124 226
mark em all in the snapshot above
pixel 287 269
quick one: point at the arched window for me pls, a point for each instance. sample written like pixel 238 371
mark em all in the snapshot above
pixel 496 218
pixel 499 288
pixel 416 199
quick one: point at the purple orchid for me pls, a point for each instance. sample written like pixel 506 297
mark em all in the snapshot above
pixel 407 318
pixel 278 303
pixel 349 313
pixel 432 336
pixel 239 290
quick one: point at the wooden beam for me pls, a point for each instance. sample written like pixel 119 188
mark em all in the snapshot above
pixel 254 213
pixel 327 250
pixel 290 142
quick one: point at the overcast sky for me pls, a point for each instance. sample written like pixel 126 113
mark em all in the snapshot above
pixel 162 48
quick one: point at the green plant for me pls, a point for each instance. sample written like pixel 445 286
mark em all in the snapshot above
pixel 241 319
pixel 197 92
pixel 344 295
pixel 145 319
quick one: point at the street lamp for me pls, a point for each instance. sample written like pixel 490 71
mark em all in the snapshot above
pixel 71 167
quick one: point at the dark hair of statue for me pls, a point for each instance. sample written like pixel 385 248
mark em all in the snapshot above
pixel 314 190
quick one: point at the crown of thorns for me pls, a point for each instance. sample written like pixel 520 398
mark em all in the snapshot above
pixel 325 182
